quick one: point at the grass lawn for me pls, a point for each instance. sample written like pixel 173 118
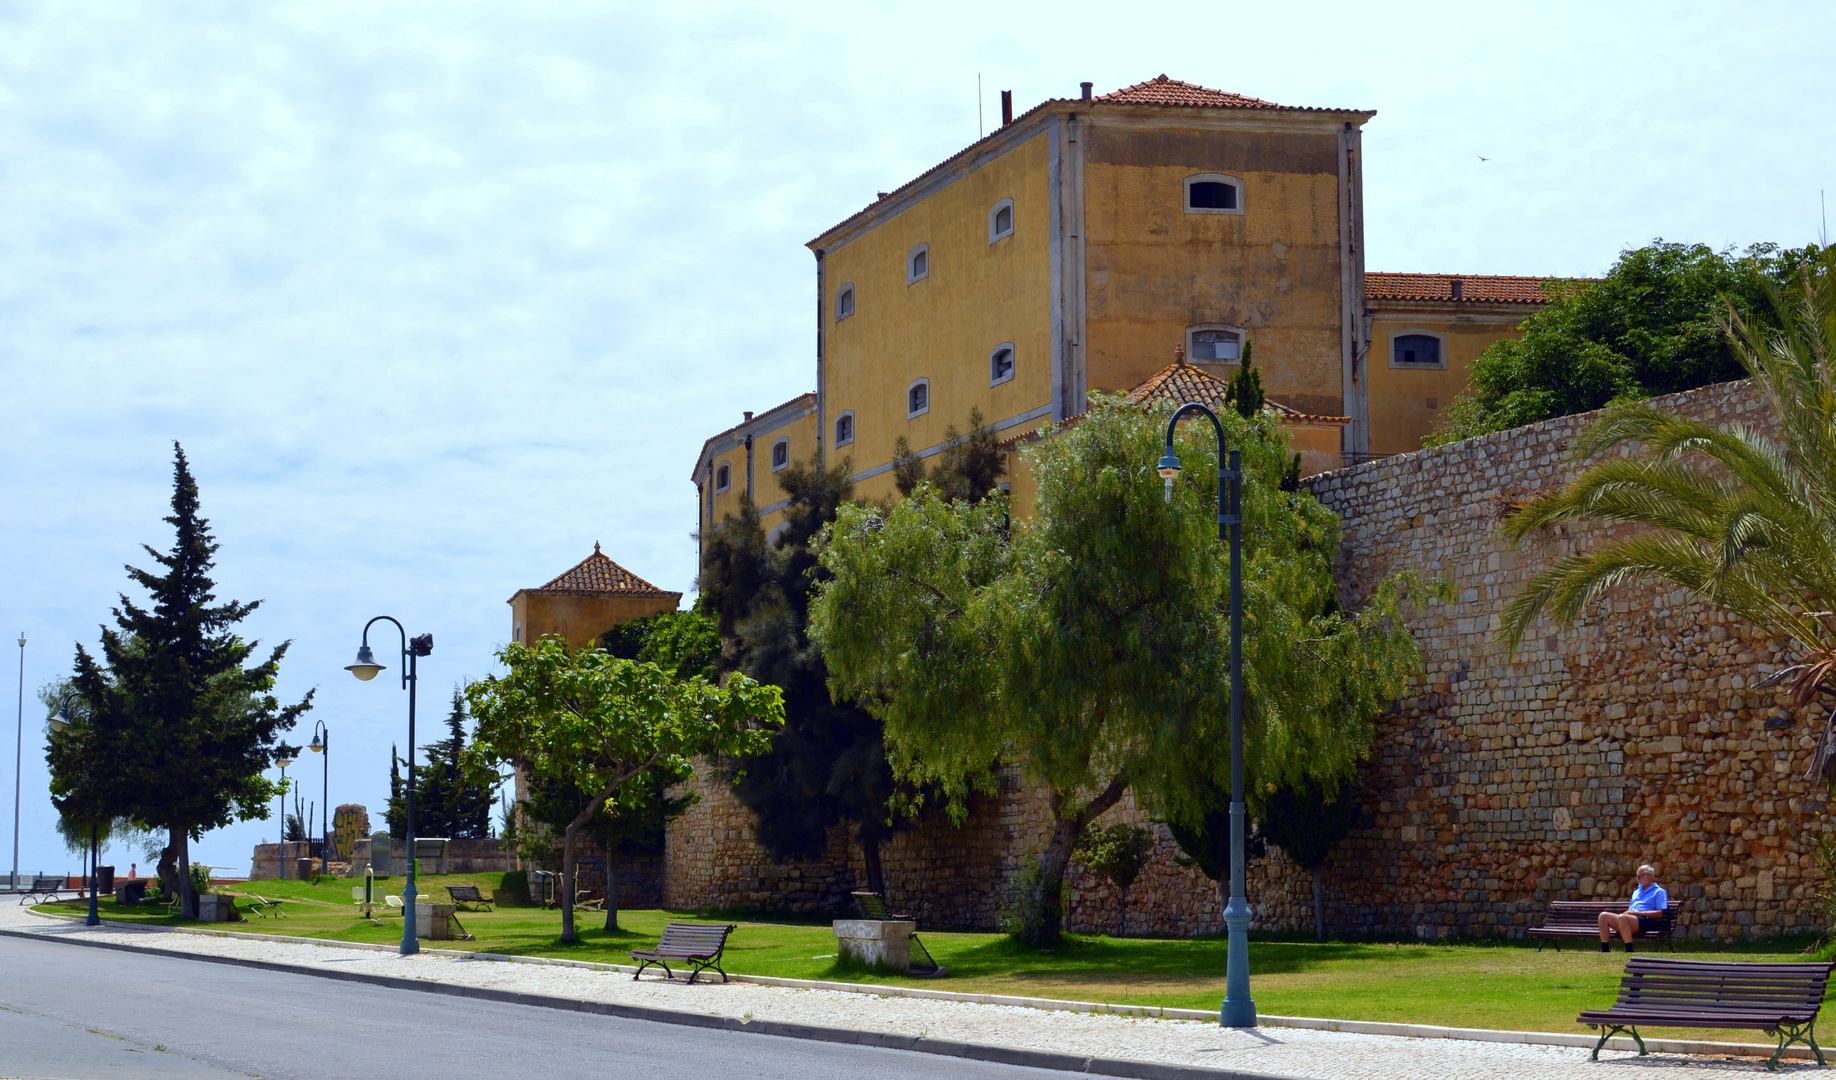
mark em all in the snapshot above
pixel 1484 985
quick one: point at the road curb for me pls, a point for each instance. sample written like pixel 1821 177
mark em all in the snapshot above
pixel 1349 1027
pixel 1003 1055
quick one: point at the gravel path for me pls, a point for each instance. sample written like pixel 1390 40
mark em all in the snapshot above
pixel 1292 1052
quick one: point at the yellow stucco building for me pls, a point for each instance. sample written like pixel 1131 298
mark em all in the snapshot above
pixel 1084 245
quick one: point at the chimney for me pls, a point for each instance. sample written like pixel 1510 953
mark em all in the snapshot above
pixel 1086 87
pixel 1459 287
pixel 748 419
pixel 1007 107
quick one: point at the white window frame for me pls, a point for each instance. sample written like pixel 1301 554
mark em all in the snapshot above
pixel 1013 364
pixel 846 292
pixel 849 417
pixel 911 413
pixel 723 477
pixel 911 257
pixel 1192 355
pixel 1185 194
pixel 994 235
pixel 785 443
pixel 1390 343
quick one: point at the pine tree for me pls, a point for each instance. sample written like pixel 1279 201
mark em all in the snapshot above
pixel 179 731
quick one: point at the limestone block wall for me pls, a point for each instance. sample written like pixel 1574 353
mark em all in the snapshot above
pixel 1504 781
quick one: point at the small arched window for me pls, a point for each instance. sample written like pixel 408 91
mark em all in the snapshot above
pixel 1214 344
pixel 844 429
pixel 1214 193
pixel 844 301
pixel 918 263
pixel 780 454
pixel 1416 351
pixel 723 478
pixel 1001 220
pixel 1001 363
pixel 918 398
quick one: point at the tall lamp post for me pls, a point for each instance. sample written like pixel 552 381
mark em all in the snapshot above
pixel 62 721
pixel 321 744
pixel 1238 1009
pixel 366 668
pixel 12 883
pixel 284 757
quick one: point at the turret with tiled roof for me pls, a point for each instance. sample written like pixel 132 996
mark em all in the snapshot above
pixel 585 601
pixel 599 574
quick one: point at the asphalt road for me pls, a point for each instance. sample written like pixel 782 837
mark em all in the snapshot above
pixel 74 1013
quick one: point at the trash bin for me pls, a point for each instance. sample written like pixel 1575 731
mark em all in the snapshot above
pixel 105 879
pixel 303 869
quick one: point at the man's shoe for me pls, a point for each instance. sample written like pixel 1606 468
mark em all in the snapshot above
pixel 1604 947
pixel 1628 946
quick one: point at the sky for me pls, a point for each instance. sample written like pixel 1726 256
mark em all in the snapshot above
pixel 437 295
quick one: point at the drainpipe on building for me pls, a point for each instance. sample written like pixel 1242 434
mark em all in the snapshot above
pixel 749 494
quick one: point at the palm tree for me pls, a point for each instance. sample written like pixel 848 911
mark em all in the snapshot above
pixel 1743 518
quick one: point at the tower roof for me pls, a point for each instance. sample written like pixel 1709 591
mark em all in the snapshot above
pixel 599 575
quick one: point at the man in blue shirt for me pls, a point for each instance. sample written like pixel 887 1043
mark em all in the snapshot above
pixel 1649 905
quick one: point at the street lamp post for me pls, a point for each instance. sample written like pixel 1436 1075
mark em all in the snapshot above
pixel 366 668
pixel 284 757
pixel 321 744
pixel 12 883
pixel 61 720
pixel 1238 1010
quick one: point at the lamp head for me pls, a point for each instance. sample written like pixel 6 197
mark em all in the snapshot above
pixel 286 758
pixel 1169 468
pixel 317 746
pixel 61 720
pixel 366 667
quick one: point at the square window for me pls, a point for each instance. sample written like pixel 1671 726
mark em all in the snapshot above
pixel 780 454
pixel 1001 364
pixel 844 302
pixel 918 399
pixel 844 429
pixel 920 264
pixel 1216 346
pixel 1415 350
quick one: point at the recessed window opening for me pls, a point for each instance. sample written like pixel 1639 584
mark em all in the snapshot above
pixel 918 398
pixel 1001 364
pixel 780 454
pixel 918 263
pixel 1001 220
pixel 1415 350
pixel 844 301
pixel 1214 345
pixel 723 478
pixel 1214 193
pixel 844 429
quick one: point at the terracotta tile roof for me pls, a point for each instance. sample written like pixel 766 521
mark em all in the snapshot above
pixel 1182 382
pixel 1161 90
pixel 598 574
pixel 1473 288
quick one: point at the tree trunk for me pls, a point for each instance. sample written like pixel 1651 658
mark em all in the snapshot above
pixel 568 936
pixel 167 870
pixel 611 885
pixel 1319 901
pixel 1122 915
pixel 870 854
pixel 188 896
pixel 1044 923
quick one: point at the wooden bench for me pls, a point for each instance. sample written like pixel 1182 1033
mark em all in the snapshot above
pixel 47 886
pixel 469 894
pixel 698 944
pixel 1581 919
pixel 264 907
pixel 1779 999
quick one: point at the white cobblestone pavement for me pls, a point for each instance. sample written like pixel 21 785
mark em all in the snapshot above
pixel 1282 1051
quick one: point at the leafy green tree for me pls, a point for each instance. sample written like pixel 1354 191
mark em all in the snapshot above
pixel 600 724
pixel 447 800
pixel 827 765
pixel 970 466
pixel 1650 326
pixel 685 642
pixel 1307 822
pixel 179 731
pixel 1087 645
pixel 1743 519
pixel 1116 855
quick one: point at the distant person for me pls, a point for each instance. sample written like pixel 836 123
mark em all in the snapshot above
pixel 1648 907
pixel 133 870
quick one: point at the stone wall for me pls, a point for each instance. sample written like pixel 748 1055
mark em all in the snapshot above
pixel 1508 781
pixel 1501 783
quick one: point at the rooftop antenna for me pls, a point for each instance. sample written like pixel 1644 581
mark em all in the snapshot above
pixel 979 132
